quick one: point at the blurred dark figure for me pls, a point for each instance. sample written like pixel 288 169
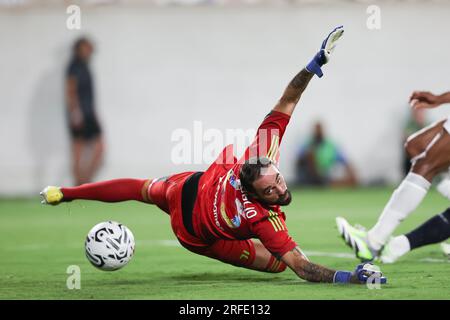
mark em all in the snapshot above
pixel 416 121
pixel 321 163
pixel 85 130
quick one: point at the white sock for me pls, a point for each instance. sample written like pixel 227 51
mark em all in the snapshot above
pixel 398 246
pixel 405 199
pixel 444 188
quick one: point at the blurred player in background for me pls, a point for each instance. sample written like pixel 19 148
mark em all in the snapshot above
pixel 322 163
pixel 218 213
pixel 84 127
pixel 429 150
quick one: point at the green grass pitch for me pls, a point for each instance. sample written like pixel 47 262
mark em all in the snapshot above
pixel 38 243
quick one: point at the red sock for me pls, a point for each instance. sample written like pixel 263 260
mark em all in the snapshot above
pixel 107 191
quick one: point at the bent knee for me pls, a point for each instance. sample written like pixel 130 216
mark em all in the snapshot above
pixel 426 168
pixel 413 148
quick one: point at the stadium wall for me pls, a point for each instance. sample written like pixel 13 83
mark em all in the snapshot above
pixel 161 69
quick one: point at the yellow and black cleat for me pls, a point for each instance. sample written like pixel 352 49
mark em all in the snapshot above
pixel 51 195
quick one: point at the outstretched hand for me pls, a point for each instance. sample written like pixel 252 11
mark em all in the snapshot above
pixel 329 43
pixel 368 273
pixel 323 56
pixel 423 100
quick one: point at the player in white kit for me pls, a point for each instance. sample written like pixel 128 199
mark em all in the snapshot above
pixel 429 150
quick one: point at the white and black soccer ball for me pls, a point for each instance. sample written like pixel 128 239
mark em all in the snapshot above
pixel 109 245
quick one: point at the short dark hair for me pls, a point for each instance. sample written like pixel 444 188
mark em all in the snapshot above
pixel 77 44
pixel 251 170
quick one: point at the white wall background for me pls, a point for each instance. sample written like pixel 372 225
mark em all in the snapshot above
pixel 159 69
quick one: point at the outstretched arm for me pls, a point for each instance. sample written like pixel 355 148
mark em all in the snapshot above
pixel 305 269
pixel 312 272
pixel 294 90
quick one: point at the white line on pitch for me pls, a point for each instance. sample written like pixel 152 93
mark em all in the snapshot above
pixel 434 260
pixel 330 254
pixel 175 243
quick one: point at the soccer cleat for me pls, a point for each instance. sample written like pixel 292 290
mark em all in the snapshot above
pixel 51 195
pixel 356 239
pixel 388 254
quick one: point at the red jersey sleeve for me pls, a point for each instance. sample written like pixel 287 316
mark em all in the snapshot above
pixel 268 137
pixel 273 233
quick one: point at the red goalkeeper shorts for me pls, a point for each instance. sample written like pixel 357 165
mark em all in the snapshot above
pixel 166 193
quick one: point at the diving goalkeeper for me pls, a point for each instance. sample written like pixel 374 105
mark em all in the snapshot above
pixel 220 212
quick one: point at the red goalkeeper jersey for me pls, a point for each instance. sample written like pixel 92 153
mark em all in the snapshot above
pixel 223 211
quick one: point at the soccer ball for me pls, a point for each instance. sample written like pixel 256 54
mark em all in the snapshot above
pixel 109 246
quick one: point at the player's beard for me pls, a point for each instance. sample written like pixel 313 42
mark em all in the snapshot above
pixel 285 199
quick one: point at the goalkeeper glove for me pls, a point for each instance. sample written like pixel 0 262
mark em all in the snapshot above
pixel 323 56
pixel 364 273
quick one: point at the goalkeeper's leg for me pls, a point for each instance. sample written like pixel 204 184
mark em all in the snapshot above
pixel 106 191
pixel 153 191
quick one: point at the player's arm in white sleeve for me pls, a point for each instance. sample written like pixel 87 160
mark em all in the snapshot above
pixel 428 100
pixel 298 84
